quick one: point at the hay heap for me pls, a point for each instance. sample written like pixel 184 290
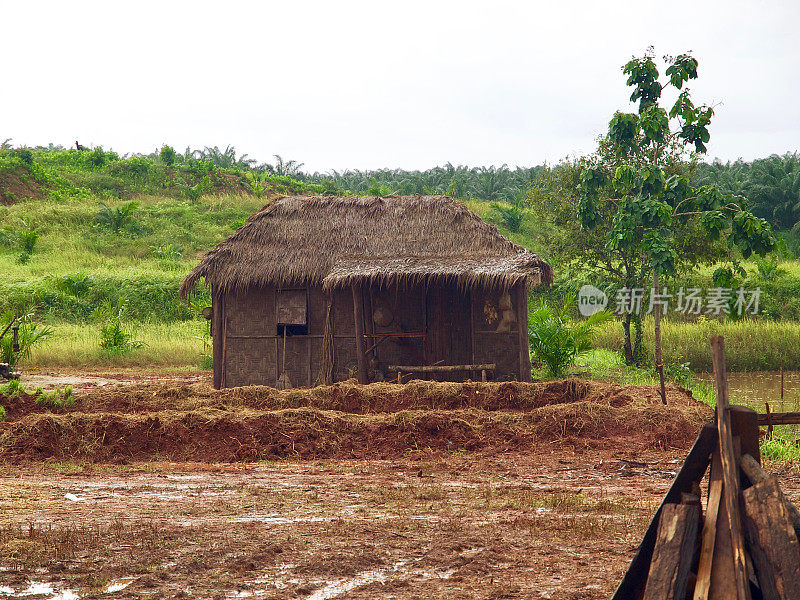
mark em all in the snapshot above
pixel 340 241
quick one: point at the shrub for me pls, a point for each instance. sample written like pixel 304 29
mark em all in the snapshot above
pixel 113 337
pixel 116 219
pixel 97 158
pixel 194 192
pixel 30 334
pixel 557 342
pixel 256 184
pixel 24 155
pixel 76 284
pixel 170 252
pixel 27 240
pixel 2 413
pixel 12 389
pixel 509 215
pixel 23 240
pixel 58 398
pixel 136 168
pixel 768 268
pixel 167 155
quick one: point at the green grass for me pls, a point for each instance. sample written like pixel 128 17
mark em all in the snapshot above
pixel 77 265
pixel 609 365
pixel 178 344
pixel 750 345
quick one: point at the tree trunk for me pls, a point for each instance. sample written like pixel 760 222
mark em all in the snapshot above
pixel 638 340
pixel 626 328
pixel 657 337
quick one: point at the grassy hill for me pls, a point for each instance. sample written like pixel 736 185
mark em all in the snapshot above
pixel 91 240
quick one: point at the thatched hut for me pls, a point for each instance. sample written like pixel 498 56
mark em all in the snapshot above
pixel 337 287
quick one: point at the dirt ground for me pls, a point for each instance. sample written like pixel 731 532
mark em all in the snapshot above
pixel 384 491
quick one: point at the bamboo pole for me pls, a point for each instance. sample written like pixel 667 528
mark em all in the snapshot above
pixel 358 314
pixel 522 325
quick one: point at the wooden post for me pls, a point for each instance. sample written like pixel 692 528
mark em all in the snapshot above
pixel 730 471
pixel 657 338
pixel 216 337
pixel 744 425
pixel 522 326
pixel 358 314
pixel 703 586
pixel 772 540
pixel 224 346
pixel 673 552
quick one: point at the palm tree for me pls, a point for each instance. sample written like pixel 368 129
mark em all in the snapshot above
pixel 226 159
pixel 773 188
pixel 490 182
pixel 289 168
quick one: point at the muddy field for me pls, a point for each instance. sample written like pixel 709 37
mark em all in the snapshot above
pixel 173 490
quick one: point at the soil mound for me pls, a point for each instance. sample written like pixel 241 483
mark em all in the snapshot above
pixel 17 184
pixel 195 422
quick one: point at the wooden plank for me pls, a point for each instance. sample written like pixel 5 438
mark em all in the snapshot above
pixel 692 470
pixel 522 328
pixel 441 368
pixel 756 475
pixel 744 425
pixel 730 471
pixel 779 418
pixel 709 537
pixel 398 334
pixel 291 307
pixel 772 540
pixel 723 578
pixel 673 552
pixel 358 315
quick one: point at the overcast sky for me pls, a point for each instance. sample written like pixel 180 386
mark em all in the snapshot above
pixel 409 84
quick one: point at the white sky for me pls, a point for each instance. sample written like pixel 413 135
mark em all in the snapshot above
pixel 342 84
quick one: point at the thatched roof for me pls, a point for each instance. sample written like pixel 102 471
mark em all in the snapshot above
pixel 340 241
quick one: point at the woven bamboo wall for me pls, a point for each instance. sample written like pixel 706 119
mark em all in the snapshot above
pixel 249 357
pixel 253 353
pixel 489 346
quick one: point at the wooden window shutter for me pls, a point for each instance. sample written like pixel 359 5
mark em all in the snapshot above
pixel 292 307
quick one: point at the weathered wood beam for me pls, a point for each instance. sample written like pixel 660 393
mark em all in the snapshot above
pixel 756 475
pixel 673 552
pixel 709 538
pixel 441 368
pixel 358 315
pixel 779 418
pixel 772 540
pixel 730 471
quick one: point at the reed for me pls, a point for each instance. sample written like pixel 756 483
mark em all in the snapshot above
pixel 750 345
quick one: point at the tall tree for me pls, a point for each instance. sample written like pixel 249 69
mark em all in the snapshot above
pixel 635 190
